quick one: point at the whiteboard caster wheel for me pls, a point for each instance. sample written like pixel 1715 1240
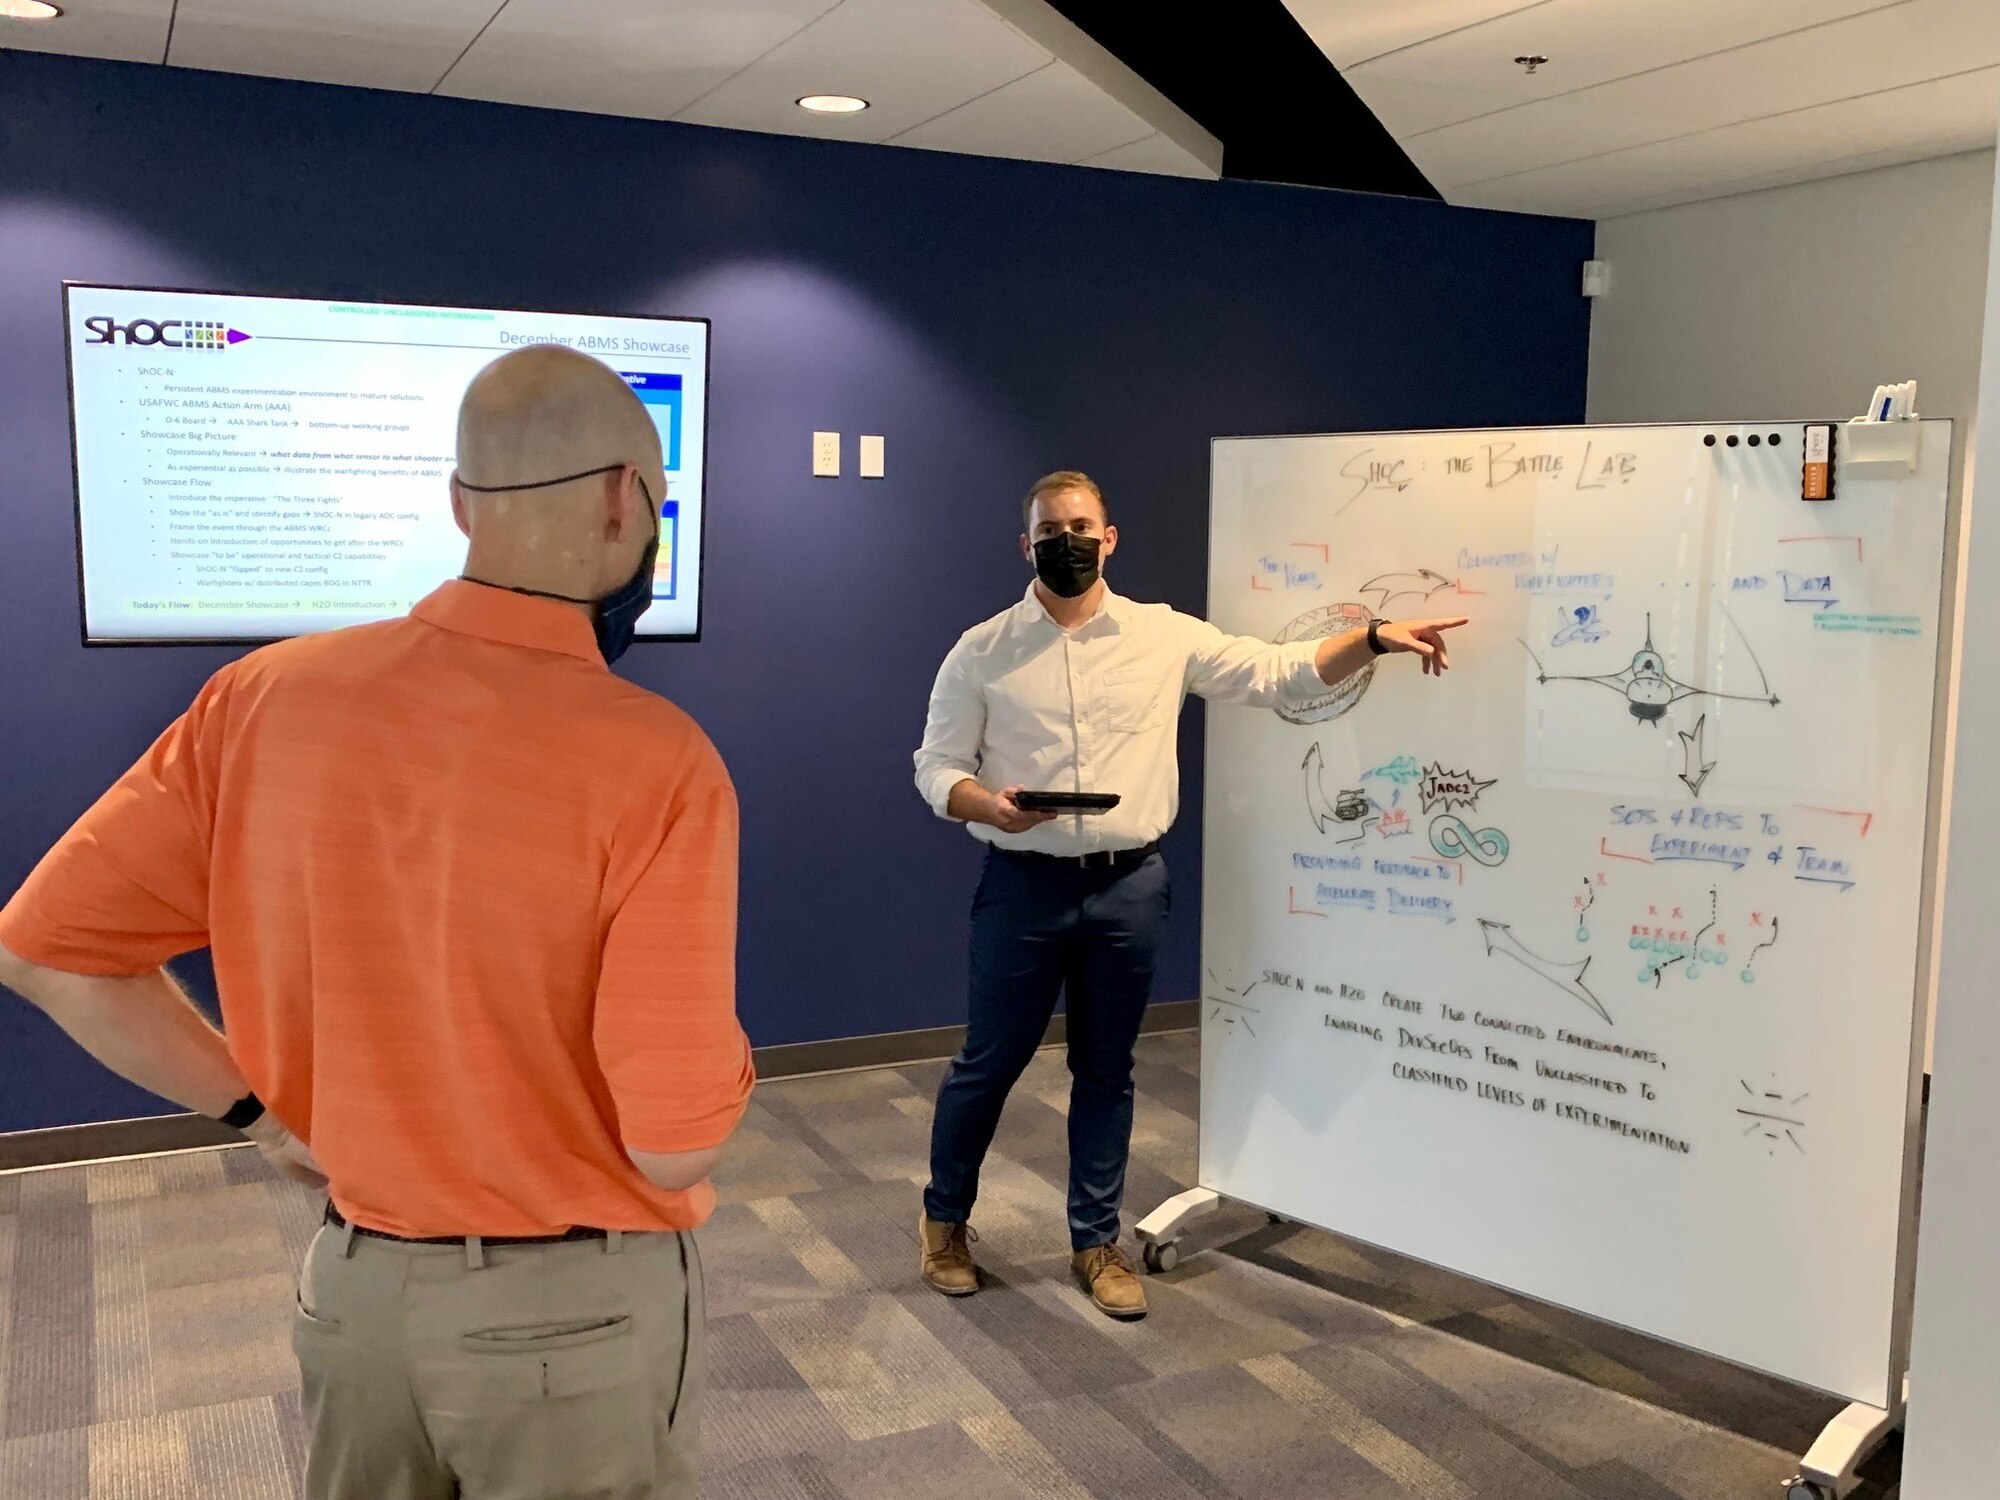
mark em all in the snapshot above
pixel 1162 1257
pixel 1801 1488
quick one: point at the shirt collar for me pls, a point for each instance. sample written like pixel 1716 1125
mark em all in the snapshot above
pixel 497 614
pixel 1112 609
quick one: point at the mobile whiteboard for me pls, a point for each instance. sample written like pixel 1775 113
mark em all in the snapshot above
pixel 1589 970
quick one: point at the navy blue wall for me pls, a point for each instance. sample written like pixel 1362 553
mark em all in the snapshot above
pixel 992 319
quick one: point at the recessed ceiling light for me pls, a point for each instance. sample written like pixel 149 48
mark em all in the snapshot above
pixel 819 104
pixel 29 10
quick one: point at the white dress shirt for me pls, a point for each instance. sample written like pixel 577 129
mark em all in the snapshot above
pixel 1022 702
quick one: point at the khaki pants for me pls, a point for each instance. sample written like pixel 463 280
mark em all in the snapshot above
pixel 534 1372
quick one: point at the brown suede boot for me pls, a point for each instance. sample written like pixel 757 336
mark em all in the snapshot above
pixel 947 1258
pixel 1107 1275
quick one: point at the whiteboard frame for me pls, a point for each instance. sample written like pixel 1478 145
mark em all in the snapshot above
pixel 1163 1227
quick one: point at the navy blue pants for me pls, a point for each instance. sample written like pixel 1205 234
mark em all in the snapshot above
pixel 1043 928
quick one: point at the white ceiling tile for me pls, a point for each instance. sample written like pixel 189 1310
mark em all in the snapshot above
pixel 1051 114
pixel 911 59
pixel 1928 119
pixel 124 30
pixel 1883 49
pixel 1408 107
pixel 1351 31
pixel 1062 39
pixel 1587 42
pixel 646 58
pixel 738 63
pixel 385 44
pixel 1156 154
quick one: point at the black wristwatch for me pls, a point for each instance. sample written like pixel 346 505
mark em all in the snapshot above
pixel 244 1113
pixel 1374 640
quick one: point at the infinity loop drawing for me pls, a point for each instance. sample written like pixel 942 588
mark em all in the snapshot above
pixel 1452 838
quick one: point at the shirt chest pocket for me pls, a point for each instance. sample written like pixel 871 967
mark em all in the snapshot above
pixel 1133 700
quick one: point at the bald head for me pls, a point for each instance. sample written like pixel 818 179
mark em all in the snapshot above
pixel 545 411
pixel 542 413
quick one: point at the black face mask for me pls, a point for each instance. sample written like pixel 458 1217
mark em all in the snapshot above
pixel 616 614
pixel 1067 563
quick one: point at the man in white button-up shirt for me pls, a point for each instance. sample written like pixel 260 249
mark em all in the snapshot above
pixel 1075 689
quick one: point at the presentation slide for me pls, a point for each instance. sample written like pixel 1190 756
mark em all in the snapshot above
pixel 255 467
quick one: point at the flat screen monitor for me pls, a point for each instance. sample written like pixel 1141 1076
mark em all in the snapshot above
pixel 249 468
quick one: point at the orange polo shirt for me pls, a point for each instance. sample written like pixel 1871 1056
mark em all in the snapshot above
pixel 472 904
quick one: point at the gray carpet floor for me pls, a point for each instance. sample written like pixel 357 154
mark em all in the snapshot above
pixel 145 1310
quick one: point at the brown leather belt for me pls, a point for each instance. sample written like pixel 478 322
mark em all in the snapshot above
pixel 335 1218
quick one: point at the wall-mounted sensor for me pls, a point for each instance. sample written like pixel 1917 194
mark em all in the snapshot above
pixel 1531 62
pixel 1596 278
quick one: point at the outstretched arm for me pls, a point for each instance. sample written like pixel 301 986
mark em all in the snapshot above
pixel 1241 669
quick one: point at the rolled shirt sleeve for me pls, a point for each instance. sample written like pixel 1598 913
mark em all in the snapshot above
pixel 127 887
pixel 665 1027
pixel 1244 670
pixel 954 730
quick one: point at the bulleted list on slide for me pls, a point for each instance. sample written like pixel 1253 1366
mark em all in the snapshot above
pixel 259 467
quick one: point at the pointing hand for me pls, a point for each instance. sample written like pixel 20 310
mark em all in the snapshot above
pixel 1425 637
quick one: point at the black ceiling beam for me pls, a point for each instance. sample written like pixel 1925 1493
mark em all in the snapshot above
pixel 1246 71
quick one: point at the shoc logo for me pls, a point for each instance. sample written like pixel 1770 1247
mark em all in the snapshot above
pixel 165 333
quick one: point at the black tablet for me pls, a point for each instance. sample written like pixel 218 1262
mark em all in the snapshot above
pixel 1069 802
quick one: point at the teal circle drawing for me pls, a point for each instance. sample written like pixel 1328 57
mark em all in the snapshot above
pixel 1583 934
pixel 1747 977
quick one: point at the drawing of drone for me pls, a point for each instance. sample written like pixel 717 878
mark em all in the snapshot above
pixel 1649 688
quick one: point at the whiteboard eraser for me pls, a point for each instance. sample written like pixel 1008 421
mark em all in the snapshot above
pixel 1816 478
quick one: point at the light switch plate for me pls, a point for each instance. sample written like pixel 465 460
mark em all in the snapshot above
pixel 871 458
pixel 826 455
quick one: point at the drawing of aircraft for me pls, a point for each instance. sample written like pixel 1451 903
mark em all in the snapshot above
pixel 1649 687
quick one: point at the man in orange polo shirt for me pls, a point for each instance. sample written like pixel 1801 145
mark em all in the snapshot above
pixel 472 904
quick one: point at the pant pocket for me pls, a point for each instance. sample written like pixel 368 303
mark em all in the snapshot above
pixel 565 1357
pixel 561 1407
pixel 310 1297
pixel 690 1371
pixel 304 1319
pixel 536 1338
